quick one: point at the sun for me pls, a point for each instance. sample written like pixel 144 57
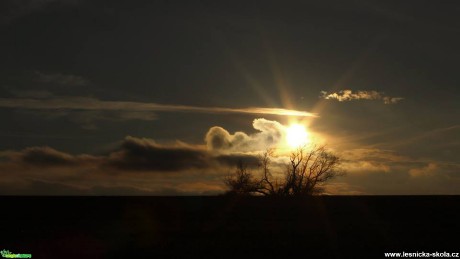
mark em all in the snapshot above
pixel 296 135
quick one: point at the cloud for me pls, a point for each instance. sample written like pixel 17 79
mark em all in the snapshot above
pixel 146 155
pixel 348 95
pixel 374 160
pixel 93 104
pixel 367 167
pixel 374 154
pixel 390 100
pixel 61 79
pixel 138 166
pixel 141 166
pixel 48 157
pixel 270 134
pixel 427 170
pixel 219 138
pixel 436 169
pixel 133 154
pixel 380 171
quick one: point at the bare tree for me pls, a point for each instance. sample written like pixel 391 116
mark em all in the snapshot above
pixel 305 174
pixel 242 182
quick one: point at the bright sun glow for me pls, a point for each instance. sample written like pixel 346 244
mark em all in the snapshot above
pixel 296 135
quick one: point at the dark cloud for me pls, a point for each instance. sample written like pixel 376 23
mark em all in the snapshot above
pixel 134 154
pixel 45 156
pixel 146 155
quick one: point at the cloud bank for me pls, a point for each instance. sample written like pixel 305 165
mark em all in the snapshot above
pixel 141 166
pixel 348 95
pixel 146 155
pixel 132 155
pixel 137 166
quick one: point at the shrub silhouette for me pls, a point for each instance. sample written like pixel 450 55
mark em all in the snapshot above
pixel 306 173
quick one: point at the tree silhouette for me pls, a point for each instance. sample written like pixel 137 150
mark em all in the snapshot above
pixel 305 174
pixel 242 183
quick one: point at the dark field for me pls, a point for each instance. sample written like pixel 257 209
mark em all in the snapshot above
pixel 216 227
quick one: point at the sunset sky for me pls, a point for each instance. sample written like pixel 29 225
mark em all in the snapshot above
pixel 164 97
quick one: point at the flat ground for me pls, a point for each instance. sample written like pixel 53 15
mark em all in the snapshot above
pixel 216 227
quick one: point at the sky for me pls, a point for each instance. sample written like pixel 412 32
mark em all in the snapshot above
pixel 165 97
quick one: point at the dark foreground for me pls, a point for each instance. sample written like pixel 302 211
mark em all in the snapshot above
pixel 216 227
